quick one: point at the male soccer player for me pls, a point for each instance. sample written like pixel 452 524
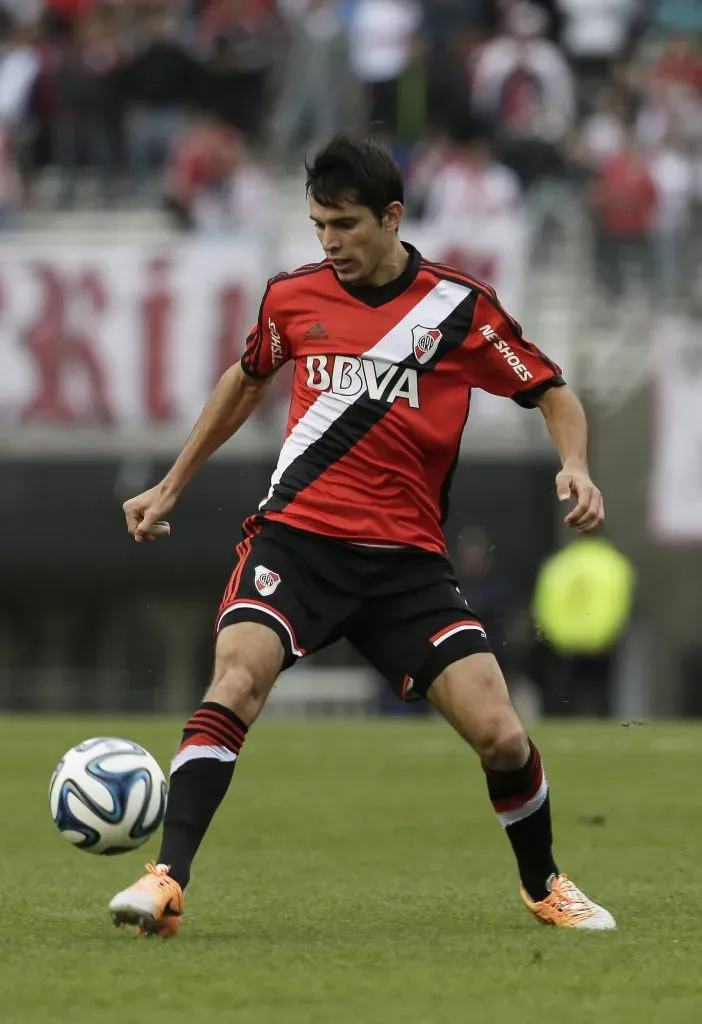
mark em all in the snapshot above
pixel 348 541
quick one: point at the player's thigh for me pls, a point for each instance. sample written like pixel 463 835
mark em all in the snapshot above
pixel 276 608
pixel 472 695
pixel 411 637
pixel 248 660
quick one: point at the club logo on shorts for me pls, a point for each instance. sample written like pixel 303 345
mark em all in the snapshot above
pixel 426 341
pixel 266 580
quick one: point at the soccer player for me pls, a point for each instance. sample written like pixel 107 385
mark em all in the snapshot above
pixel 348 541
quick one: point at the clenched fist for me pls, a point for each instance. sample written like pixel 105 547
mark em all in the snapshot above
pixel 145 514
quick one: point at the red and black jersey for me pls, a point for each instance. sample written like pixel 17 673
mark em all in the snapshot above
pixel 381 393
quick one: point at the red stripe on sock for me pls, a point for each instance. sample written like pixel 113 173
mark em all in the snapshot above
pixel 206 716
pixel 513 803
pixel 207 737
pixel 227 739
pixel 219 722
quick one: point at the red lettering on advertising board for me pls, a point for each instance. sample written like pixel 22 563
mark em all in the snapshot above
pixel 157 309
pixel 57 345
pixel 229 343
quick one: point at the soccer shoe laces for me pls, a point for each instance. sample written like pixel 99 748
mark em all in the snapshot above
pixel 156 874
pixel 568 898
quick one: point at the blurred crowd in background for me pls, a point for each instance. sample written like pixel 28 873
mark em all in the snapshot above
pixel 513 121
pixel 197 105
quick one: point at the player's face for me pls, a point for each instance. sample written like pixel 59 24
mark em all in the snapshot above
pixel 353 238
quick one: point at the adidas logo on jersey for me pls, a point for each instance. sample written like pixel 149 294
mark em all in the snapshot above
pixel 506 352
pixel 266 580
pixel 315 333
pixel 351 377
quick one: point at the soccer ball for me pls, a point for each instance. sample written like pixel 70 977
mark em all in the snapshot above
pixel 107 795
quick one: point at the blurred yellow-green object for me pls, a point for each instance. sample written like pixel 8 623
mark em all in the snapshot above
pixel 583 596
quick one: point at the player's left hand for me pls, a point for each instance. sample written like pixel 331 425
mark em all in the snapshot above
pixel 588 513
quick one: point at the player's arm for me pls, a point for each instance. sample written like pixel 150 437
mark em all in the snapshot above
pixel 234 398
pixel 567 425
pixel 236 395
pixel 505 363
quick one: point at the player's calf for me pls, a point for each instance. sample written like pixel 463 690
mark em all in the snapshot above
pixel 472 695
pixel 247 660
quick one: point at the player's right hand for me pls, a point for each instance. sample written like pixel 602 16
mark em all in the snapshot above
pixel 145 514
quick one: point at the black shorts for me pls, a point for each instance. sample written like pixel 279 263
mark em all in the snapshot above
pixel 401 609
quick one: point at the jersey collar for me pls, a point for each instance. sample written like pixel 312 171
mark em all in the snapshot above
pixel 378 295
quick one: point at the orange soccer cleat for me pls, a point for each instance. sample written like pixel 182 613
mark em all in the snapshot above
pixel 154 904
pixel 567 907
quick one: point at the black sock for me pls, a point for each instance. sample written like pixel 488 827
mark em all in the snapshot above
pixel 200 775
pixel 522 803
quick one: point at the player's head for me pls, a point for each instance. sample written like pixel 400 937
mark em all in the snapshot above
pixel 356 193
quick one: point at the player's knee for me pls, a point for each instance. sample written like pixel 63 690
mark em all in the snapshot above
pixel 503 744
pixel 238 688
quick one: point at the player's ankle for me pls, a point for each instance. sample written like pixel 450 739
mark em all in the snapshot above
pixel 537 884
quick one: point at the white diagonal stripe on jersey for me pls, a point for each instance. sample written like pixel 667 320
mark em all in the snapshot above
pixel 394 347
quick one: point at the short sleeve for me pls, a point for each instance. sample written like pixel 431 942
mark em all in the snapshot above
pixel 266 345
pixel 503 361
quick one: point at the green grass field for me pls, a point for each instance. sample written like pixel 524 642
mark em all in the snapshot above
pixel 356 874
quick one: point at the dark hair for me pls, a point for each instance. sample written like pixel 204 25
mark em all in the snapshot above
pixel 358 170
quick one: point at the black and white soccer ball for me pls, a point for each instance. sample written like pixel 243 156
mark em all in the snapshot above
pixel 107 795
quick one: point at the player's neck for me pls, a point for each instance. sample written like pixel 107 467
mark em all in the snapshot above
pixel 390 267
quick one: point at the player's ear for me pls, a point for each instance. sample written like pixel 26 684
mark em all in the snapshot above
pixel 393 216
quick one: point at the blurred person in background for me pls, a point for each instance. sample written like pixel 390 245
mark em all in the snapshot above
pixel 426 160
pixel 669 124
pixel 679 62
pixel 603 132
pixel 158 82
pixel 11 189
pixel 385 49
pixel 212 182
pixel 62 15
pixel 672 169
pixel 669 108
pixel 595 34
pixel 218 85
pixel 523 86
pixel 319 94
pixel 22 12
pixel 19 66
pixel 582 605
pixel 472 207
pixel 247 37
pixel 484 587
pixel 88 122
pixel 469 185
pixel 624 203
pixel 452 31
